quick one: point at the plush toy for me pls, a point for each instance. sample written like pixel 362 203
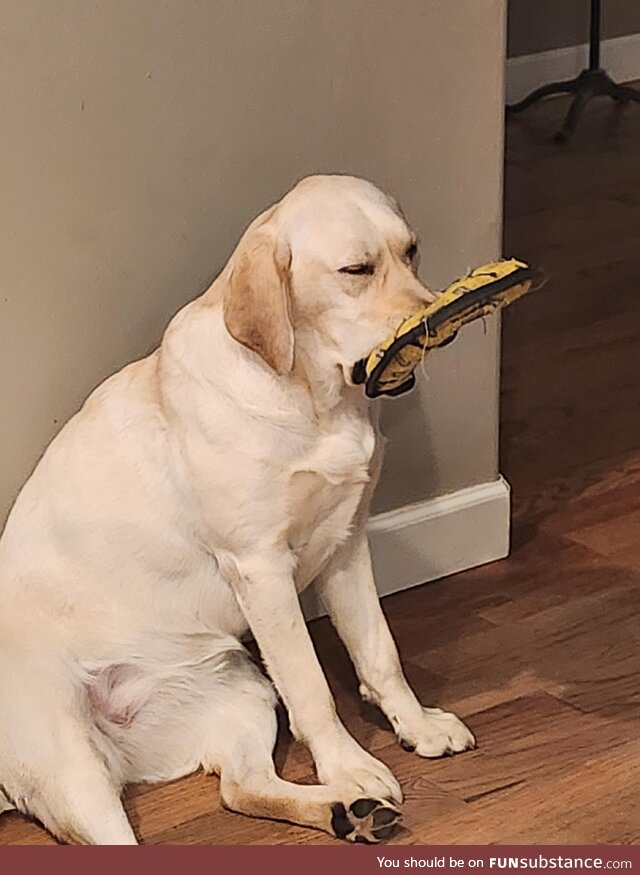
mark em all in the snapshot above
pixel 389 369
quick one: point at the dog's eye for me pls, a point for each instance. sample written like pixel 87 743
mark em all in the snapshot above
pixel 412 251
pixel 357 269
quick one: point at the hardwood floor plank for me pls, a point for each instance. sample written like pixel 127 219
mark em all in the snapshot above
pixel 172 804
pixel 592 802
pixel 524 740
pixel 617 538
pixel 18 830
pixel 571 650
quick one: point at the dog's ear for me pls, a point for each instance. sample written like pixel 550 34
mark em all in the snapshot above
pixel 257 303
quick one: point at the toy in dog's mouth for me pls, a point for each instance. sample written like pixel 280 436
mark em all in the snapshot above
pixel 389 369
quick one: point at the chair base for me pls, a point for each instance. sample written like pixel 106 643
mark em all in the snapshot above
pixel 589 84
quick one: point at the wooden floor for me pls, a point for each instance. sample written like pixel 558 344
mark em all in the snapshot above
pixel 541 652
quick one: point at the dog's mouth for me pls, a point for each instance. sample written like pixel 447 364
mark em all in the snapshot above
pixel 357 374
pixel 349 371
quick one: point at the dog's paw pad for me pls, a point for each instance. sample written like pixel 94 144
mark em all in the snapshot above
pixel 366 820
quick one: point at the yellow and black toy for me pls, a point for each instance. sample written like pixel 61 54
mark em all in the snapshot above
pixel 389 369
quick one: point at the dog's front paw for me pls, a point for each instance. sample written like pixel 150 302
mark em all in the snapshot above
pixel 365 820
pixel 348 765
pixel 438 733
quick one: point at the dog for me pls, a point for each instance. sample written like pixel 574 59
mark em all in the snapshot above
pixel 192 498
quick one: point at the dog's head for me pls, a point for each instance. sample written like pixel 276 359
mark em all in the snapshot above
pixel 330 269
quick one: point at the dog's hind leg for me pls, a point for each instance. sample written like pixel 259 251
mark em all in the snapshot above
pixel 50 767
pixel 71 792
pixel 240 745
pixel 78 802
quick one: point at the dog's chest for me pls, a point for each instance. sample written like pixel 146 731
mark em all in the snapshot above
pixel 325 491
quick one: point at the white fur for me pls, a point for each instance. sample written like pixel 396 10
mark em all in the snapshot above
pixel 190 499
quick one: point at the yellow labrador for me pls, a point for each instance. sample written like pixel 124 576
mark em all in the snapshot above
pixel 194 495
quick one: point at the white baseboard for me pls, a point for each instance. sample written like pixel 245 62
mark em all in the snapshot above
pixel 440 536
pixel 436 537
pixel 620 57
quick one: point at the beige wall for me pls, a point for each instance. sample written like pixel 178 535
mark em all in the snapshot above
pixel 140 136
pixel 539 25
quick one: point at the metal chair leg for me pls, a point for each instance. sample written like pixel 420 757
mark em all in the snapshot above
pixel 623 94
pixel 578 104
pixel 567 87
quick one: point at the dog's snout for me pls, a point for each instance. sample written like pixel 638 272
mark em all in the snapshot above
pixel 418 296
pixel 426 295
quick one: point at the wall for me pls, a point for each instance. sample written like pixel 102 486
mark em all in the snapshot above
pixel 540 25
pixel 139 138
